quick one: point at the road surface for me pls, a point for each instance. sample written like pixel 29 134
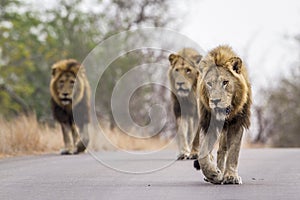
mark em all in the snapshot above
pixel 267 174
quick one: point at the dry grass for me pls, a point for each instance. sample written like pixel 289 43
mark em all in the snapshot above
pixel 118 140
pixel 25 135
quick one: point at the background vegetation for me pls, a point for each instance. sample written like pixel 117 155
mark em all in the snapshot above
pixel 33 38
pixel 278 116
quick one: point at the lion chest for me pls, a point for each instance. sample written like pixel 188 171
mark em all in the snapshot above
pixel 62 115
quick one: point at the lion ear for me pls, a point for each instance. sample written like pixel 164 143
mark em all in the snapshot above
pixel 201 65
pixel 236 64
pixel 197 59
pixel 173 58
pixel 53 72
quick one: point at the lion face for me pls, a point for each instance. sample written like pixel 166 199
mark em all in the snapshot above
pixel 64 87
pixel 224 86
pixel 219 84
pixel 184 72
pixel 184 77
pixel 64 90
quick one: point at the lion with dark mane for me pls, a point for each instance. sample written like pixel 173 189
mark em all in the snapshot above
pixel 183 76
pixel 225 98
pixel 70 102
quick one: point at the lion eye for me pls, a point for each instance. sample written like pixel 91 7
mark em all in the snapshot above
pixel 188 70
pixel 72 82
pixel 209 84
pixel 176 69
pixel 225 83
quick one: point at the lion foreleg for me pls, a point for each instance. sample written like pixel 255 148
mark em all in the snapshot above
pixel 234 139
pixel 67 139
pixel 182 138
pixel 222 152
pixel 206 160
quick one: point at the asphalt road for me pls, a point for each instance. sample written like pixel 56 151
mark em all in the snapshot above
pixel 267 174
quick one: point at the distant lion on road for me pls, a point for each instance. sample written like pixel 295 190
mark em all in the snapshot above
pixel 70 97
pixel 183 76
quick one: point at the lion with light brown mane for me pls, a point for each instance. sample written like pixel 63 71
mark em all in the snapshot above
pixel 183 75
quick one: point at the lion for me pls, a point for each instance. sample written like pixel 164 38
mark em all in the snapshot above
pixel 183 75
pixel 70 98
pixel 224 98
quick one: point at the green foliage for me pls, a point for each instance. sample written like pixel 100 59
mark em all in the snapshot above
pixel 17 49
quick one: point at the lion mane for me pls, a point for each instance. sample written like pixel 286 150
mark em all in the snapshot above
pixel 223 56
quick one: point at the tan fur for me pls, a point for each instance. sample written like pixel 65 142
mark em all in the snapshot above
pixel 183 74
pixel 70 100
pixel 224 103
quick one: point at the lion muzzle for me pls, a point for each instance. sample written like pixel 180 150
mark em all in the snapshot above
pixel 65 101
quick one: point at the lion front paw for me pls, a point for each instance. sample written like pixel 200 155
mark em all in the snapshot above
pixel 214 177
pixel 66 152
pixel 211 172
pixel 232 179
pixel 182 157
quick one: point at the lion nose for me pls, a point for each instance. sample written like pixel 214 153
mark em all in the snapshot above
pixel 180 83
pixel 215 101
pixel 65 94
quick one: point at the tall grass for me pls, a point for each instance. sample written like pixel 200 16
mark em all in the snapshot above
pixel 116 139
pixel 24 135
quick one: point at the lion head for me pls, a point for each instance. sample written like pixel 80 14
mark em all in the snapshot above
pixel 183 72
pixel 67 83
pixel 224 87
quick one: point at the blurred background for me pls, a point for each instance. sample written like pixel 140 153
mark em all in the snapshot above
pixel 36 34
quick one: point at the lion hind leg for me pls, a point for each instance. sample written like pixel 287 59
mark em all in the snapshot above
pixel 83 141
